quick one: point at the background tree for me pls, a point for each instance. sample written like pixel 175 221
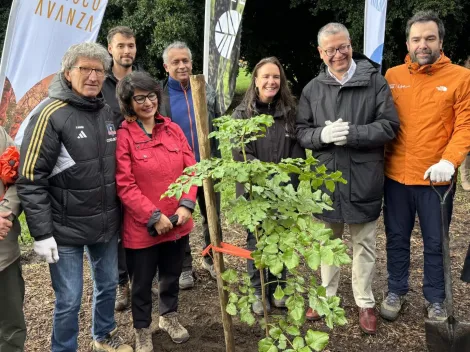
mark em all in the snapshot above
pixel 157 23
pixel 283 28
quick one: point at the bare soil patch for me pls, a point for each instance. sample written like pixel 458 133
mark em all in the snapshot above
pixel 200 312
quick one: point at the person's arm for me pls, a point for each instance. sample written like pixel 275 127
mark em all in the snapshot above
pixel 309 137
pixel 39 152
pixel 187 202
pixel 386 123
pixel 459 144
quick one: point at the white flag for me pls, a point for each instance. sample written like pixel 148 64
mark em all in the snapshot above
pixel 374 29
pixel 39 32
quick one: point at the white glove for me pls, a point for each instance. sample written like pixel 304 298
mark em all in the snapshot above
pixel 340 143
pixel 48 249
pixel 334 132
pixel 440 172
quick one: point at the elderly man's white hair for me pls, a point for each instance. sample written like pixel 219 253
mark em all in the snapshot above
pixel 331 29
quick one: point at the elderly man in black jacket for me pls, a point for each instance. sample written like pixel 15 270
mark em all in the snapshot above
pixel 68 192
pixel 346 115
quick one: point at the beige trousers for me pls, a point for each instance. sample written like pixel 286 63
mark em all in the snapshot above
pixel 363 238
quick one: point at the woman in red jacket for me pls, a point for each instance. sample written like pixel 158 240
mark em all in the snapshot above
pixel 152 153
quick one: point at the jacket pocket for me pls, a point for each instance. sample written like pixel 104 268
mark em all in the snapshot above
pixel 367 177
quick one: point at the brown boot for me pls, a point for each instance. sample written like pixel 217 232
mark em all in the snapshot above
pixel 312 315
pixel 368 320
pixel 143 340
pixel 123 297
pixel 465 174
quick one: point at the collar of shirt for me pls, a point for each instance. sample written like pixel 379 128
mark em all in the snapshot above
pixel 347 76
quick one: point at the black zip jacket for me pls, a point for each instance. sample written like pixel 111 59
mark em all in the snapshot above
pixel 67 170
pixel 276 145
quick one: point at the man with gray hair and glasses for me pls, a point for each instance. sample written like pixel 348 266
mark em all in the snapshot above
pixel 177 104
pixel 345 116
pixel 68 192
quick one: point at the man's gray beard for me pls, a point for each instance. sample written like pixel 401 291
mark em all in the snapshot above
pixel 432 59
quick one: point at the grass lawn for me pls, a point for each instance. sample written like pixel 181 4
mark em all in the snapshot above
pixel 243 81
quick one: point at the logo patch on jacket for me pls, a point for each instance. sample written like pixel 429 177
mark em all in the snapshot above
pixel 442 88
pixel 110 128
pixel 82 135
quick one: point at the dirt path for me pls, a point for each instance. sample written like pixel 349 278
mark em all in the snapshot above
pixel 200 312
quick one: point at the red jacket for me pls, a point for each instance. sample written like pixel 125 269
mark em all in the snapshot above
pixel 145 167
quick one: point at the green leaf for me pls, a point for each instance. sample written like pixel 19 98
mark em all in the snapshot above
pixel 305 349
pixel 293 330
pixel 330 185
pixel 282 343
pixel 291 259
pixel 275 333
pixel 279 293
pixel 298 342
pixel 316 339
pixel 231 309
pixel 297 313
pixel 246 316
pixel 267 345
pixel 230 276
pixel 271 249
pixel 313 259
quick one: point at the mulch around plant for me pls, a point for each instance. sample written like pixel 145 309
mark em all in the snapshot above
pixel 200 312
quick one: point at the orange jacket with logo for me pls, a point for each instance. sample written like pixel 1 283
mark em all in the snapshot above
pixel 433 104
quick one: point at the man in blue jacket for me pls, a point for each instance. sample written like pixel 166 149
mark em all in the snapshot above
pixel 177 103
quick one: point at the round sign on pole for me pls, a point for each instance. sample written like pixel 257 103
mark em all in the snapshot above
pixel 226 31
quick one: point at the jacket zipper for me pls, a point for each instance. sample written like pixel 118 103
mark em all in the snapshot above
pixel 103 190
pixel 190 120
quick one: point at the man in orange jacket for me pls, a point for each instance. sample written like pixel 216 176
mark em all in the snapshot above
pixel 432 97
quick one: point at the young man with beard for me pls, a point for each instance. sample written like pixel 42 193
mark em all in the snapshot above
pixel 346 116
pixel 177 103
pixel 432 97
pixel 122 48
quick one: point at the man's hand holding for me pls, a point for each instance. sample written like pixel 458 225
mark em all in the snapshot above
pixel 5 224
pixel 48 249
pixel 335 132
pixel 440 172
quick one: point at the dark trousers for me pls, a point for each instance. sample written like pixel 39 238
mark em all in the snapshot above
pixel 122 265
pixel 188 258
pixel 401 204
pixel 254 273
pixel 12 324
pixel 143 263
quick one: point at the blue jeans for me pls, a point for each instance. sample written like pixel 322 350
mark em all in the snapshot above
pixel 67 282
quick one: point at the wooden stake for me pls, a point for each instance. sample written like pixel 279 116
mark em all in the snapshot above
pixel 198 89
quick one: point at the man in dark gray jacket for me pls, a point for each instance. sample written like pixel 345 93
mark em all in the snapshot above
pixel 67 188
pixel 346 115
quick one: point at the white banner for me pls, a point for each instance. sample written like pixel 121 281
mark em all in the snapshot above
pixel 374 29
pixel 39 32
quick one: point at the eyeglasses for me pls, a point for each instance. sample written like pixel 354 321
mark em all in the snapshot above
pixel 86 71
pixel 343 49
pixel 140 99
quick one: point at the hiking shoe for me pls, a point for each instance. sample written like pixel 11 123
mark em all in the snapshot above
pixel 210 268
pixel 258 306
pixel 143 340
pixel 111 343
pixel 169 323
pixel 436 311
pixel 123 297
pixel 186 280
pixel 391 306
